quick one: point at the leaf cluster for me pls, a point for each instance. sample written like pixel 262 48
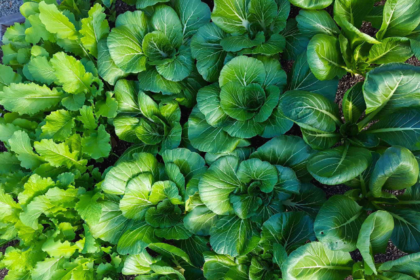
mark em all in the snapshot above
pixel 193 90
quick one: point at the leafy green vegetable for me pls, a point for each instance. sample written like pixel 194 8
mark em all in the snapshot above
pixel 338 223
pixel 210 187
pixel 243 105
pixel 333 52
pixel 249 193
pixel 155 46
pixel 393 111
pixel 342 222
pixel 374 235
pixel 141 120
pixel 314 261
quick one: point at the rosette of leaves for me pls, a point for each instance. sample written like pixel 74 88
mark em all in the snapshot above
pixel 246 27
pixel 281 234
pixel 317 261
pixel 396 169
pixel 145 208
pixel 261 263
pixel 242 105
pixel 343 224
pixel 337 47
pixel 155 44
pixel 253 193
pixel 141 120
pixel 263 210
pixel 387 98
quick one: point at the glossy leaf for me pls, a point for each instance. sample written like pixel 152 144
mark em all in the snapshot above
pixel 399 128
pixel 311 4
pixel 125 49
pixel 314 261
pixel 315 22
pixel 400 18
pixel 339 165
pixel 231 16
pixel 303 79
pixel 288 151
pixel 374 236
pixel 324 57
pixel 389 51
pixel 396 169
pixel 217 183
pixel 391 87
pixel 231 235
pixel 310 111
pixel 290 229
pixel 353 11
pixel 206 48
pixel 353 103
pixel 338 223
pixel 200 132
pixel 243 69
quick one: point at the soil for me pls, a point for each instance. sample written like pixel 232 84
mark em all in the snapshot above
pixel 391 253
pixel 122 7
pixel 345 84
pixel 413 61
pixel 2 147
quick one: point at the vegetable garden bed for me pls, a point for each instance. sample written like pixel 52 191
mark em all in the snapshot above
pixel 148 142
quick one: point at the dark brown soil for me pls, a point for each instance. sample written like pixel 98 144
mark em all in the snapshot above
pixel 2 147
pixel 413 61
pixel 210 3
pixel 331 190
pixel 294 11
pixel 185 113
pixel 344 85
pixel 122 7
pixel 11 243
pixel 392 253
pixel 124 277
pixel 368 29
pixel 295 130
pixel 287 65
pixel 3 273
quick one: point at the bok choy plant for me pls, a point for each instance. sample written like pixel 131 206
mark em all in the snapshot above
pixel 378 113
pixel 337 47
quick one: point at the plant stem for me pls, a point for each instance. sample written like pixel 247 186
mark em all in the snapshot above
pixel 363 186
pixel 370 117
pixel 404 202
pixel 348 70
pixel 367 119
